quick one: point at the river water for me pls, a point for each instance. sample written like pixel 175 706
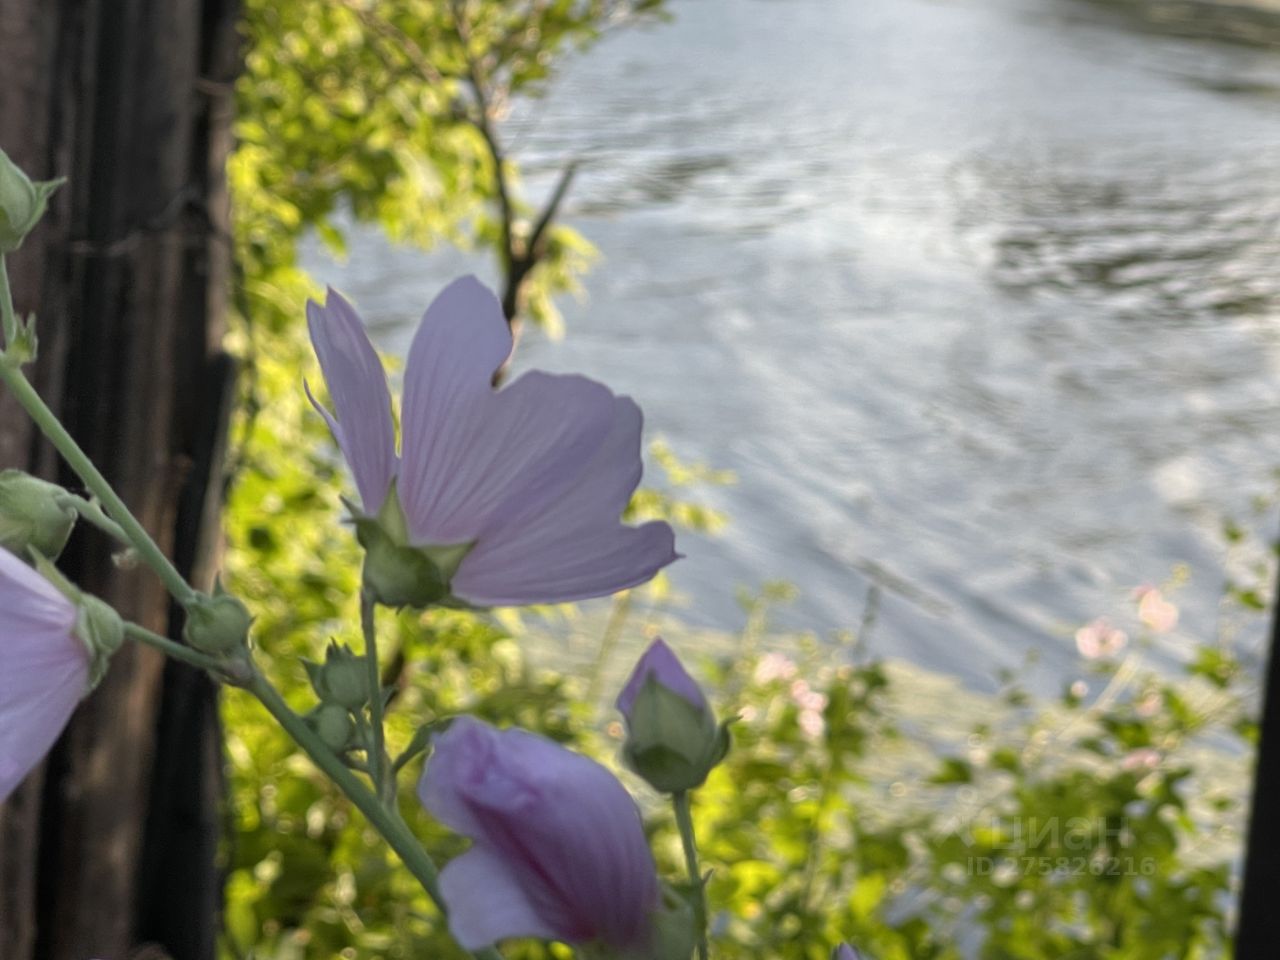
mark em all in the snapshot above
pixel 980 300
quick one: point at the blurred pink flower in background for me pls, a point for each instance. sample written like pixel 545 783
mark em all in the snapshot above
pixel 1100 639
pixel 1149 705
pixel 811 704
pixel 44 672
pixel 1154 610
pixel 1144 758
pixel 774 666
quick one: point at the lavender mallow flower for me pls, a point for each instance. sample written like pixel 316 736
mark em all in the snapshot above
pixel 846 952
pixel 44 668
pixel 558 850
pixel 497 497
pixel 673 740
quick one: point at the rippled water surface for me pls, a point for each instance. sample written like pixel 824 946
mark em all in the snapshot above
pixel 979 298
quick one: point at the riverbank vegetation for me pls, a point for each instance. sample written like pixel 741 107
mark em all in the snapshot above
pixel 864 799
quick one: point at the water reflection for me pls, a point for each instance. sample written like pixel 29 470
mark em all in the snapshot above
pixel 979 300
pixel 1157 245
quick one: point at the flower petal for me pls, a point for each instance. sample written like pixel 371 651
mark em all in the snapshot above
pixel 511 452
pixel 575 547
pixel 462 340
pixel 358 385
pixel 29 603
pixel 562 825
pixel 486 903
pixel 661 663
pixel 549 567
pixel 46 669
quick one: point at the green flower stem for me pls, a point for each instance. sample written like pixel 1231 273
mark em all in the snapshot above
pixel 387 822
pixel 233 671
pixel 76 458
pixel 684 820
pixel 383 784
pixel 6 307
pixel 91 512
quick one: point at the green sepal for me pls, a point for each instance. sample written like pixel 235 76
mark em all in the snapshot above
pixel 672 933
pixel 398 573
pixel 397 576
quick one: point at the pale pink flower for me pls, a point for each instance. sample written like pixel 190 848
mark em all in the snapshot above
pixel 812 703
pixel 1155 611
pixel 44 668
pixel 806 698
pixel 774 666
pixel 811 723
pixel 1143 758
pixel 1149 705
pixel 1100 639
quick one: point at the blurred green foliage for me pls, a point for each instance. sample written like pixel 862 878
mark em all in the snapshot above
pixel 841 813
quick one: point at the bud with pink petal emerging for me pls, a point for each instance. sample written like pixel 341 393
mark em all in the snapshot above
pixel 673 740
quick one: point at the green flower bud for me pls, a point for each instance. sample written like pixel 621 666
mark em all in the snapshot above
pixel 334 726
pixel 22 203
pixel 34 515
pixel 673 741
pixel 218 624
pixel 343 680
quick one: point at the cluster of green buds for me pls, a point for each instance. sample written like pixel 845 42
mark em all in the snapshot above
pixel 673 739
pixel 342 684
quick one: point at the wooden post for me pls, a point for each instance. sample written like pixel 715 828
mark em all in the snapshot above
pixel 112 842
pixel 1258 936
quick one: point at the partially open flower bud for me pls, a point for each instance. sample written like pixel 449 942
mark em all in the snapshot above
pixel 342 680
pixel 673 740
pixel 22 203
pixel 218 624
pixel 34 515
